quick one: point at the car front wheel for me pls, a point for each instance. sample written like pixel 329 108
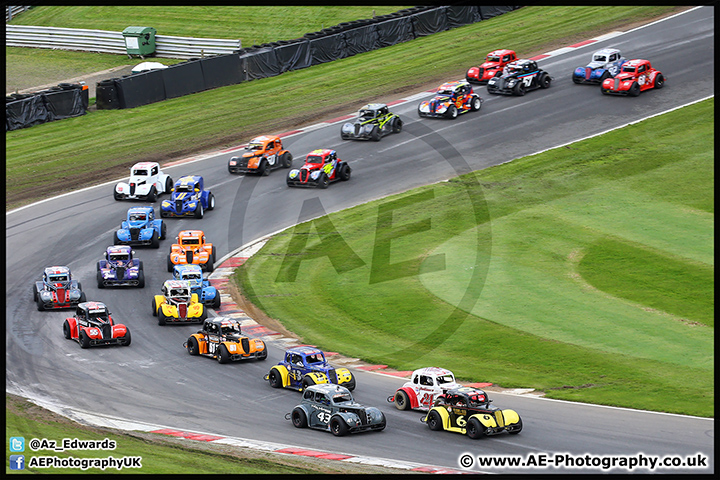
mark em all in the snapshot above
pixel 451 112
pixel 338 427
pixel 474 429
pixel 434 421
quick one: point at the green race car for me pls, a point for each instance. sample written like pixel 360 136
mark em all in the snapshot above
pixel 374 122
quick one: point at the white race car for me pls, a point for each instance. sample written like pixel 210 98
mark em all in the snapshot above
pixel 146 182
pixel 423 388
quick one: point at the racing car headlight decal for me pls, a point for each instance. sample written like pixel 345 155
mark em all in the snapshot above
pixel 258 344
pixel 348 128
pixel 368 128
pixel 425 107
pixel 441 107
pixel 314 175
pixel 233 162
pixel 165 204
pixel 294 173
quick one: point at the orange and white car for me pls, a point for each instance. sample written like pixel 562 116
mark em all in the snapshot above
pixel 425 385
pixel 221 339
pixel 262 154
pixel 192 248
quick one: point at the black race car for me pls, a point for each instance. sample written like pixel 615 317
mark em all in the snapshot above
pixel 519 77
pixel 374 122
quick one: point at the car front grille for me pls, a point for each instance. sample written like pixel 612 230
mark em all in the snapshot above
pixel 106 330
pixel 499 418
pixel 134 233
pixel 357 128
pixel 189 256
pixel 481 71
pixel 178 206
pixel 120 273
pixel 332 376
pixel 245 344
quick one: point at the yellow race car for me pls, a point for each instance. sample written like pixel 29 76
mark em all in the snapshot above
pixel 177 304
pixel 468 411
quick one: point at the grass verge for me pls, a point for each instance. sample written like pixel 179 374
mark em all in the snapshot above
pixel 56 157
pixel 160 454
pixel 570 271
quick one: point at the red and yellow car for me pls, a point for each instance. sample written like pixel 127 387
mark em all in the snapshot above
pixel 192 248
pixel 322 167
pixel 491 67
pixel 635 77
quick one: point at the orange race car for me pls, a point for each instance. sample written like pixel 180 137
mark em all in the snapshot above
pixel 262 154
pixel 221 339
pixel 190 248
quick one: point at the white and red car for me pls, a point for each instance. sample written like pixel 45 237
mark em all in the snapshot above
pixel 423 388
pixel 146 182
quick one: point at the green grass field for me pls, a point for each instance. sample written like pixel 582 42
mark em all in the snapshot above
pixel 586 275
pixel 103 144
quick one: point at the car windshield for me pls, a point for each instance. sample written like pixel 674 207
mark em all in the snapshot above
pixel 254 146
pixel 629 69
pixel 314 159
pixel 137 217
pixel 600 58
pixel 140 173
pixel 230 329
pixel 192 276
pixel 118 257
pixel 477 399
pixel 492 58
pixel 445 379
pixel 342 398
pixel 191 241
pixel 367 113
pixel 99 317
pixel 184 188
pixel 315 358
pixel 179 293
pixel 445 92
pixel 57 278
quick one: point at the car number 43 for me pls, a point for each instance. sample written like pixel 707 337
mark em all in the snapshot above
pixel 323 417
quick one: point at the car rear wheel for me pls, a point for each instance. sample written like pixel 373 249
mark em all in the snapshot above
pixel 402 402
pixel 299 419
pixel 223 356
pixel 474 429
pixel 659 81
pixel 274 379
pixel 193 347
pixel 338 427
pixel 66 329
pixel 434 421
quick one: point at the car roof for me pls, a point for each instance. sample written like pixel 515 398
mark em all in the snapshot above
pixel 464 391
pixel 185 267
pixel 177 284
pixel 321 152
pixel 145 165
pixel 327 388
pixel 119 249
pixel 57 269
pixel 635 62
pixel 502 51
pixel 432 371
pixel 139 209
pixel 606 51
pixel 264 138
pixel 452 85
pixel 92 306
pixel 190 233
pixel 185 179
pixel 305 350
pixel 223 321
pixel 374 106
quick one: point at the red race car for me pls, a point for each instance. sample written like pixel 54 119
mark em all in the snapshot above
pixel 93 325
pixel 322 167
pixel 636 76
pixel 492 67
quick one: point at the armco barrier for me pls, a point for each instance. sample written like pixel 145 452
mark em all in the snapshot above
pixel 271 59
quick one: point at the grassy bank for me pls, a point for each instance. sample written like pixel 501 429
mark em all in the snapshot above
pixel 160 454
pixel 586 275
pixel 55 157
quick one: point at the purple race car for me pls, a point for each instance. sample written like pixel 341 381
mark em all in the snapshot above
pixel 120 268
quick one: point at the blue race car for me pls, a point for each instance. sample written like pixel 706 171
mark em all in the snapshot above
pixel 304 366
pixel 140 228
pixel 193 273
pixel 120 268
pixel 189 199
pixel 605 63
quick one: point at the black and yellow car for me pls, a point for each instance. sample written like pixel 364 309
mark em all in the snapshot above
pixel 467 410
pixel 374 122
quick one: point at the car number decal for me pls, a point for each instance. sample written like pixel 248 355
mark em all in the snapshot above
pixel 528 80
pixel 323 417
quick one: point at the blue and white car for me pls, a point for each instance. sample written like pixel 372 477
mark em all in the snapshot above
pixel 207 294
pixel 605 63
pixel 189 199
pixel 141 228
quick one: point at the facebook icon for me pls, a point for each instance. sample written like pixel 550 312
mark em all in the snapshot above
pixel 17 462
